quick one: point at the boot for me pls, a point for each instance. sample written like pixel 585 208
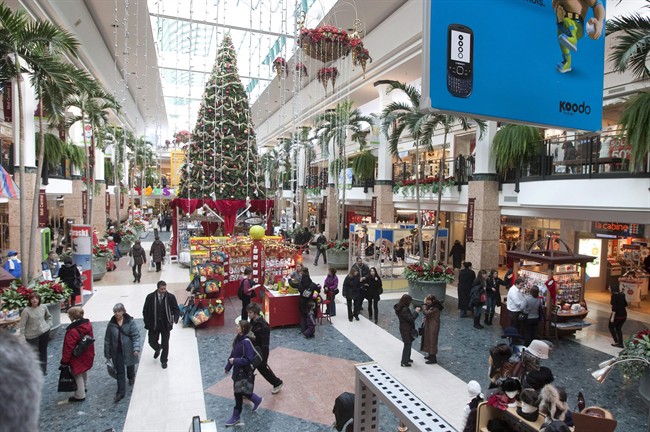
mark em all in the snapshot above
pixel 477 321
pixel 257 400
pixel 489 317
pixel 486 321
pixel 234 419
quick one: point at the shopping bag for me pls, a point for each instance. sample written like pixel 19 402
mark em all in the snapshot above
pixel 131 262
pixel 110 368
pixel 152 266
pixel 66 380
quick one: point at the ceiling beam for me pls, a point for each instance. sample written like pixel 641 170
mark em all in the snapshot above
pixel 226 26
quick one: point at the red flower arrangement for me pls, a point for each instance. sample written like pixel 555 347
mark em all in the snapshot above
pixel 439 272
pixel 102 251
pixel 280 64
pixel 327 73
pixel 325 43
pixel 183 136
pixel 339 245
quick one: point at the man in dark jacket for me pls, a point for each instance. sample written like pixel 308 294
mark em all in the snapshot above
pixel 320 248
pixel 457 253
pixel 262 332
pixel 157 252
pixel 117 238
pixel 160 313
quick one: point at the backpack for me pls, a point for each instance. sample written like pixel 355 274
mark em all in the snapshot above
pixel 240 291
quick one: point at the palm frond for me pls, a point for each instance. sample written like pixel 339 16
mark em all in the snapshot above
pixel 513 145
pixel 76 155
pixel 634 122
pixel 632 47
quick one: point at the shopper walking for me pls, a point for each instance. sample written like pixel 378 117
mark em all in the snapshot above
pixel 71 276
pixel 493 295
pixel 160 313
pixel 240 360
pixel 117 238
pixel 157 252
pixel 364 271
pixel 246 291
pixel 618 316
pixel 139 257
pixel 35 325
pixel 466 279
pixel 431 310
pixel 406 319
pixel 81 364
pixel 331 289
pixel 515 304
pixel 532 306
pixel 373 294
pixel 457 253
pixel 478 297
pixel 321 248
pixel 352 293
pixel 122 346
pixel 260 328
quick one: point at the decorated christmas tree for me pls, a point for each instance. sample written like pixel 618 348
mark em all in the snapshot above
pixel 222 160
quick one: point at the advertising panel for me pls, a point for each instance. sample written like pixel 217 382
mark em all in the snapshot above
pixel 591 247
pixel 82 253
pixel 537 62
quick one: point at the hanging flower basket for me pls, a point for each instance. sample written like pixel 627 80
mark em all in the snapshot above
pixel 360 55
pixel 327 73
pixel 302 70
pixel 280 65
pixel 325 44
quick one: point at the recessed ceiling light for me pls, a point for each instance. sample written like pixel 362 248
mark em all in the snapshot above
pixel 115 25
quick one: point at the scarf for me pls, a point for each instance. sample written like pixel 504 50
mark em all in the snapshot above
pixel 12 262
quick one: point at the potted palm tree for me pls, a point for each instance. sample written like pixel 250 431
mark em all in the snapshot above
pixel 631 51
pixel 398 119
pixel 363 167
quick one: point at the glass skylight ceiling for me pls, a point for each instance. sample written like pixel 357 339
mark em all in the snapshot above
pixel 188 33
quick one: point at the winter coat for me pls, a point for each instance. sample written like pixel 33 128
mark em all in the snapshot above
pixel 311 325
pixel 406 321
pixel 619 303
pixel 130 336
pixel 14 266
pixel 73 334
pixel 262 331
pixel 330 286
pixel 352 287
pixel 157 251
pixel 375 288
pixel 466 279
pixel 67 274
pixel 364 271
pixel 138 254
pixel 431 321
pixel 456 252
pixel 149 311
pixel 306 287
pixel 242 353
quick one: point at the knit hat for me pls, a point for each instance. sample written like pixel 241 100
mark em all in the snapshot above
pixel 473 389
pixel 539 378
pixel 538 349
pixel 12 253
pixel 510 385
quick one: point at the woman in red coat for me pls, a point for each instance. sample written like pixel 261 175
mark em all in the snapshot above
pixel 81 364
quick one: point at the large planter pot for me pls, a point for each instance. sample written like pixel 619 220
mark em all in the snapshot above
pixel 644 387
pixel 55 311
pixel 337 259
pixel 124 247
pixel 420 289
pixel 99 267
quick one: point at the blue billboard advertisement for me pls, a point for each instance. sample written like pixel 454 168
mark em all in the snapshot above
pixel 538 62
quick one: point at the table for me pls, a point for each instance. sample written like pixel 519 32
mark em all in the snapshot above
pixel 280 309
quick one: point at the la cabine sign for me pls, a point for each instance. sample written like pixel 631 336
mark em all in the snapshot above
pixel 617 229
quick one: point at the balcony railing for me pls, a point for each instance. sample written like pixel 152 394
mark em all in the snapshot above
pixel 460 168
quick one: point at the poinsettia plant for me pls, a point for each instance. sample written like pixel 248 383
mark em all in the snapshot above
pixel 102 251
pixel 51 291
pixel 338 245
pixel 327 73
pixel 637 346
pixel 438 272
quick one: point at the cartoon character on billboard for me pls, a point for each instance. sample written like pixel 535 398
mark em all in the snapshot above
pixel 571 25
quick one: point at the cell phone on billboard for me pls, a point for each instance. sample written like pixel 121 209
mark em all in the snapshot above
pixel 460 60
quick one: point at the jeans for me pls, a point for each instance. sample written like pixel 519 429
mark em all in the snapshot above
pixel 616 329
pixel 158 265
pixel 164 342
pixel 373 307
pixel 491 304
pixel 320 252
pixel 244 303
pixel 117 253
pixel 40 343
pixel 406 351
pixel 353 312
pixel 137 272
pixel 120 367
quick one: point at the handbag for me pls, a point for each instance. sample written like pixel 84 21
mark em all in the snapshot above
pixel 110 368
pixel 244 381
pixel 67 382
pixel 421 329
pixel 77 282
pixel 200 315
pixel 522 316
pixel 83 344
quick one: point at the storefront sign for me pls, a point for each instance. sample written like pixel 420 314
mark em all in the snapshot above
pixel 42 209
pixel 617 229
pixel 373 209
pixel 84 205
pixel 7 102
pixel 469 231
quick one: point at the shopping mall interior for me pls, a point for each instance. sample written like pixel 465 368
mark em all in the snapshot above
pixel 196 120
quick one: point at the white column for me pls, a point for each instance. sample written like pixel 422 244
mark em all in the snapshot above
pixel 485 160
pixel 29 104
pixel 384 158
pixel 99 165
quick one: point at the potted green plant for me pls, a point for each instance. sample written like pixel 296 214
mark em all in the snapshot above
pixel 52 293
pixel 514 145
pixel 128 238
pixel 637 346
pixel 363 167
pixel 424 279
pixel 101 255
pixel 15 296
pixel 338 253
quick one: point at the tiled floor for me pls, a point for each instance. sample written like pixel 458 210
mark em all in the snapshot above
pixel 314 371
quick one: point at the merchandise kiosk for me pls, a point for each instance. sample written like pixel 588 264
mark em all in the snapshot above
pixel 560 274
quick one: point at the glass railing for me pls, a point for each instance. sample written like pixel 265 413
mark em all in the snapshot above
pixel 459 168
